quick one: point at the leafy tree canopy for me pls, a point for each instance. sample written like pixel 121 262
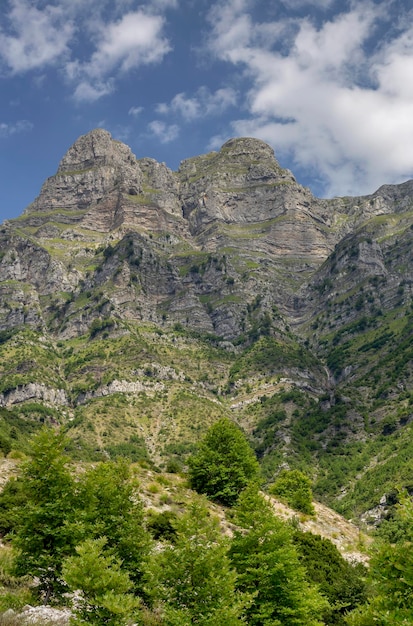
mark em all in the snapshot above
pixel 337 579
pixel 391 578
pixel 47 529
pixel 105 588
pixel 224 463
pixel 294 488
pixel 268 567
pixel 193 577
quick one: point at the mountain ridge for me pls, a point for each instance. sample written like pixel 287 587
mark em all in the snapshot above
pixel 181 295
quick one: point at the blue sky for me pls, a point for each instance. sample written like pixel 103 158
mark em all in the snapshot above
pixel 328 83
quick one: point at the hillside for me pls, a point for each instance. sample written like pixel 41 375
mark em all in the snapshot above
pixel 139 305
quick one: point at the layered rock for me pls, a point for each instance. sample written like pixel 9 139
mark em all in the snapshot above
pixel 197 246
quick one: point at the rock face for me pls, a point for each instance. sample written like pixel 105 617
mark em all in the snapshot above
pixel 33 391
pixel 196 247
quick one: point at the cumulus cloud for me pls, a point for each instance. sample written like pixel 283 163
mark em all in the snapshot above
pixel 202 104
pixel 134 40
pixel 320 97
pixel 36 37
pixel 35 34
pixel 164 132
pixel 21 126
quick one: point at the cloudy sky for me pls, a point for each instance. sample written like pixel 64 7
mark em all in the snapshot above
pixel 328 83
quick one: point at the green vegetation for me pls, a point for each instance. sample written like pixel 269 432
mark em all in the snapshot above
pixel 224 463
pixel 84 528
pixel 294 488
pixel 391 578
pixel 268 567
pixel 105 587
pixel 341 582
pixel 46 529
pixel 193 578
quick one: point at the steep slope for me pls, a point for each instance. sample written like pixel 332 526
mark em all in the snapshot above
pixel 138 305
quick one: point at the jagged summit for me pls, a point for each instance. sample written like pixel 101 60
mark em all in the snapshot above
pixel 101 184
pixel 95 149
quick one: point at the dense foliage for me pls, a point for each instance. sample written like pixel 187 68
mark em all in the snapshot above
pixel 391 577
pixel 193 580
pixel 269 568
pixel 224 464
pixel 294 488
pixel 47 529
pixel 85 530
pixel 341 582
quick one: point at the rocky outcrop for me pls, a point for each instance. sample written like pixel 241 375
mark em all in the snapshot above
pixel 34 391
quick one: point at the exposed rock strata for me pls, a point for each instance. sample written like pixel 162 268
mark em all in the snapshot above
pixel 195 247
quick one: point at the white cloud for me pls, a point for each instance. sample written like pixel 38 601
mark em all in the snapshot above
pixel 135 40
pixel 21 126
pixel 135 111
pixel 36 34
pixel 90 91
pixel 164 132
pixel 37 38
pixel 322 99
pixel 202 104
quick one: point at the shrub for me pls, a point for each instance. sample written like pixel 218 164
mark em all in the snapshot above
pixel 294 488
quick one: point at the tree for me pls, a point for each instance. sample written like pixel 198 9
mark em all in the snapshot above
pixel 193 577
pixel 294 488
pixel 268 567
pixel 224 463
pixel 47 530
pixel 104 586
pixel 339 581
pixel 111 508
pixel 391 577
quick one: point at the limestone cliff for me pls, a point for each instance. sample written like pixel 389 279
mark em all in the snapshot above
pixel 197 246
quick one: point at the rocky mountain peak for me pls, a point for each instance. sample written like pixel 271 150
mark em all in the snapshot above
pixel 96 167
pixel 94 149
pixel 247 147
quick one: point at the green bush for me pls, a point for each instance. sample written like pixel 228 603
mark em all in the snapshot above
pixel 294 488
pixel 341 582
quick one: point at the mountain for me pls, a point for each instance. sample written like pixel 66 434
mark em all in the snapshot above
pixel 138 305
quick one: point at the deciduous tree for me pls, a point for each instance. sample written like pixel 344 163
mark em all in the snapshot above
pixel 268 567
pixel 193 577
pixel 105 588
pixel 47 529
pixel 224 464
